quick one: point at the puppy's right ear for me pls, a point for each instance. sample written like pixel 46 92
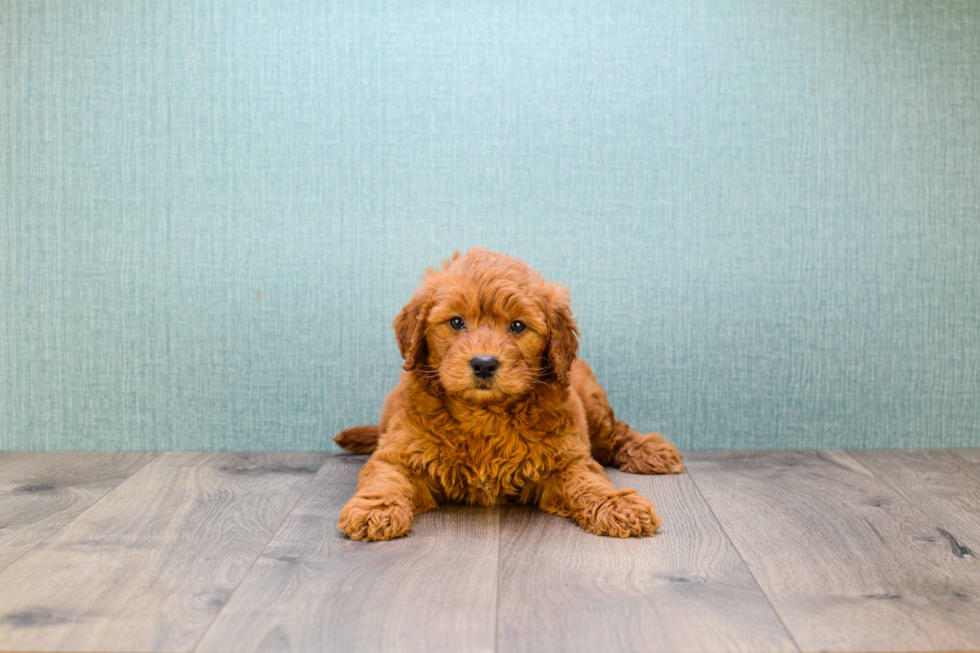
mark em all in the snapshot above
pixel 410 329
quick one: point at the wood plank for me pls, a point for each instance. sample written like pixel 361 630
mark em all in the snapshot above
pixel 944 485
pixel 40 492
pixel 149 566
pixel 8 457
pixel 685 589
pixel 969 455
pixel 847 562
pixel 312 589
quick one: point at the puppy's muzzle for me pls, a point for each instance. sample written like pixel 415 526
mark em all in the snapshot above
pixel 484 366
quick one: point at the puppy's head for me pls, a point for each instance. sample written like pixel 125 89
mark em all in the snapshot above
pixel 487 327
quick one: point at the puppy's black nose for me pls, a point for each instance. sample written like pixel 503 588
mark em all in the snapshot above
pixel 484 366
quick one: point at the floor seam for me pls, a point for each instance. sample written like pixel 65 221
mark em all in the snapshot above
pixel 755 580
pixel 496 612
pixel 153 458
pixel 265 546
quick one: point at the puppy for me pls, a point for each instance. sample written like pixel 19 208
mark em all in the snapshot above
pixel 494 408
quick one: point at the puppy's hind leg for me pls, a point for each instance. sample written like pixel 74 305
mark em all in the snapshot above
pixel 613 441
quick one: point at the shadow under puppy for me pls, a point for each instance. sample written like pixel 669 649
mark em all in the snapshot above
pixel 494 408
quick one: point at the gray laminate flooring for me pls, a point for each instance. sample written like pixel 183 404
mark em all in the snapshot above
pixel 759 551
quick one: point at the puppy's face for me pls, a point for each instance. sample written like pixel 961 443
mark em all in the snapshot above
pixel 487 328
pixel 488 344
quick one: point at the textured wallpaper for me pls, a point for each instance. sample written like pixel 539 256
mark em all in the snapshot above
pixel 767 213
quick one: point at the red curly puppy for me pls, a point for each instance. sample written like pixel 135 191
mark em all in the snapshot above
pixel 494 408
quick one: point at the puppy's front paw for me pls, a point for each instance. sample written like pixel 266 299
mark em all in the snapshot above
pixel 626 513
pixel 363 519
pixel 650 454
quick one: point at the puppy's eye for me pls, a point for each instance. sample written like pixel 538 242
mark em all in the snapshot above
pixel 517 326
pixel 457 323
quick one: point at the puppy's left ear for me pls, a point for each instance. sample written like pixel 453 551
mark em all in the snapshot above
pixel 562 335
pixel 410 329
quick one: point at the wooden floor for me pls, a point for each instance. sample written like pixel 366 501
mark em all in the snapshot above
pixel 759 551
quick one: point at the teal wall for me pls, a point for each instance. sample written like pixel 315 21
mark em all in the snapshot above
pixel 768 212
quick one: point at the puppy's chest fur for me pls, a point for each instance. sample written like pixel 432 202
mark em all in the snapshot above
pixel 490 459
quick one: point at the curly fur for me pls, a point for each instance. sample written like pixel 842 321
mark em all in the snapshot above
pixel 537 432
